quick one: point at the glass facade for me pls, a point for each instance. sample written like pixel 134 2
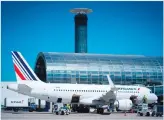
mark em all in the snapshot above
pixel 158 90
pixel 93 68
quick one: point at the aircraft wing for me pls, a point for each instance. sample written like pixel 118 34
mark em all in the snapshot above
pixel 110 94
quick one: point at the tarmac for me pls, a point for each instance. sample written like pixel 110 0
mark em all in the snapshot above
pixel 73 116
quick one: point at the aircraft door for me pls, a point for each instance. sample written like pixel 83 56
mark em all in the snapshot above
pixel 59 100
pixel 75 99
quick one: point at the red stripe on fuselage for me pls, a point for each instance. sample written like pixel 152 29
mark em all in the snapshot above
pixel 19 73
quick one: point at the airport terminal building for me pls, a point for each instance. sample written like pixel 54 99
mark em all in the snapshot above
pixel 87 68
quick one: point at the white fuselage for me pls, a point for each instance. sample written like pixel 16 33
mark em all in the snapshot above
pixel 87 92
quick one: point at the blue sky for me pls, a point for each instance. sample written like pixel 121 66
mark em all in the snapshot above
pixel 113 28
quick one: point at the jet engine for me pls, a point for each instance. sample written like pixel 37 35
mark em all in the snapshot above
pixel 124 104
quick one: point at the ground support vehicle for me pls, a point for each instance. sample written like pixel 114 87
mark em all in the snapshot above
pixel 60 109
pixel 157 110
pixel 143 110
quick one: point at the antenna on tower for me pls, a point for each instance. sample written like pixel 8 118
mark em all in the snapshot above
pixel 81 10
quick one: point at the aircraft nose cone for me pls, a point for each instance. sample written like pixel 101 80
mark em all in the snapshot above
pixel 153 97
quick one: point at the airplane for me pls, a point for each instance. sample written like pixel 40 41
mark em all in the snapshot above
pixel 88 94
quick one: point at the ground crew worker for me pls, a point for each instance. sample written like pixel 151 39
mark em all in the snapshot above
pixel 144 99
pixel 68 106
pixel 65 106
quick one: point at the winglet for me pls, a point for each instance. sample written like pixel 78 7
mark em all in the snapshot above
pixel 113 88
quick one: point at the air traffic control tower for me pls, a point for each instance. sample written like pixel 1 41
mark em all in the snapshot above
pixel 81 29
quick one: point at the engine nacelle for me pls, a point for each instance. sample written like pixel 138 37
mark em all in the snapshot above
pixel 124 104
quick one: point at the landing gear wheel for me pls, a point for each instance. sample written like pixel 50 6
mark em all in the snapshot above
pixel 141 114
pixel 148 114
pixel 62 113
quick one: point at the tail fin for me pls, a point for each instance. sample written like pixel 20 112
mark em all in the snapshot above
pixel 22 69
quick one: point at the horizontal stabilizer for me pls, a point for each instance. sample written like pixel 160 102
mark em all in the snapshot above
pixel 24 88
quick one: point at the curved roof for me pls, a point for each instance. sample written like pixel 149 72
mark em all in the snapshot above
pixel 52 57
pixel 92 68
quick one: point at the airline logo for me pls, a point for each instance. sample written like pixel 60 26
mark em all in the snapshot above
pixel 21 67
pixel 128 89
pixel 17 101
